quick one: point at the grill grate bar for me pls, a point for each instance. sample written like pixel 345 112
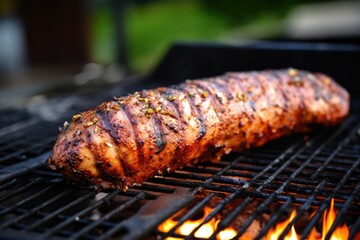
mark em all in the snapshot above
pixel 354 229
pixel 148 217
pixel 339 147
pixel 60 217
pixel 218 208
pixel 279 190
pixel 273 196
pixel 182 175
pixel 26 200
pixel 74 217
pixel 303 166
pixel 260 209
pixel 55 213
pixel 199 206
pixel 237 191
pixel 22 137
pixel 326 203
pixel 231 164
pixel 222 171
pixel 303 209
pixel 154 188
pixel 34 210
pixel 120 208
pixel 213 213
pixel 298 201
pixel 211 179
pixel 226 221
pixel 189 180
pixel 18 126
pixel 343 211
pixel 8 184
pixel 21 189
pixel 27 149
pixel 300 212
pixel 22 226
pixel 22 167
pixel 274 218
pixel 276 161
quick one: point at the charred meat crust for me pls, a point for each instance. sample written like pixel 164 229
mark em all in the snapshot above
pixel 129 139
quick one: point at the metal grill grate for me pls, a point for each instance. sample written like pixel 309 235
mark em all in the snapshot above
pixel 288 173
pixel 250 192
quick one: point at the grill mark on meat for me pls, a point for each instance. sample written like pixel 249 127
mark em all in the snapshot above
pixel 301 98
pixel 249 102
pixel 284 94
pixel 275 75
pixel 160 142
pixel 103 115
pixel 200 117
pixel 100 163
pixel 105 120
pixel 287 106
pixel 286 78
pixel 249 114
pixel 269 128
pixel 301 109
pixel 318 90
pixel 180 147
pixel 263 90
pixel 223 87
pixel 215 103
pixel 124 164
pixel 139 143
pixel 174 104
pixel 187 87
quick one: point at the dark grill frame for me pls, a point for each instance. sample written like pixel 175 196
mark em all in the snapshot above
pixel 288 173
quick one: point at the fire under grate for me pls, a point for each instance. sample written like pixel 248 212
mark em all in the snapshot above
pixel 251 192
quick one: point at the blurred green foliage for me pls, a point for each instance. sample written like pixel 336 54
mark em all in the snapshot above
pixel 243 12
pixel 102 33
pixel 153 25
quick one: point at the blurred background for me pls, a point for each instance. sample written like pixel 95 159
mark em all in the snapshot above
pixel 47 45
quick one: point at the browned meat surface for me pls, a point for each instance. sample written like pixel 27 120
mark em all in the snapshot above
pixel 129 139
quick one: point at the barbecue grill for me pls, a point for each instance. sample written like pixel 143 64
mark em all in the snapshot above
pixel 250 192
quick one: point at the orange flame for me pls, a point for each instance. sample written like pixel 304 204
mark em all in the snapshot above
pixel 205 231
pixel 274 234
pixel 340 233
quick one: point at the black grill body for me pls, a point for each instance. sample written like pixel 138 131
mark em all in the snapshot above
pixel 261 185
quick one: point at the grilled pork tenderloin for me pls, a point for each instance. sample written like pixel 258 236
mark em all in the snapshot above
pixel 130 139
